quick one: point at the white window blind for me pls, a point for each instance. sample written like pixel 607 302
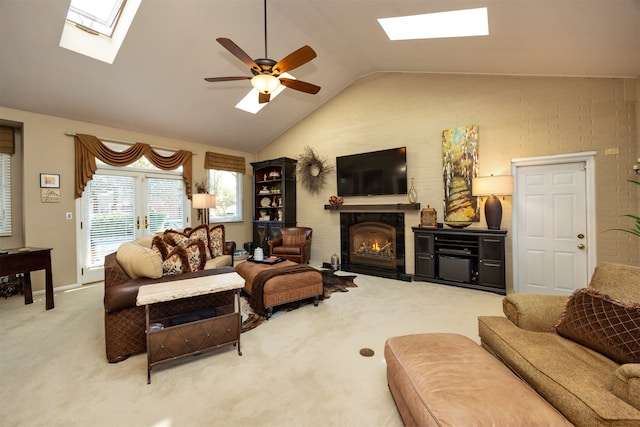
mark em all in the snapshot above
pixel 111 215
pixel 5 195
pixel 164 201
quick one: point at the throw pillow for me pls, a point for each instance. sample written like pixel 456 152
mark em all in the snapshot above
pixel 138 261
pixel 216 240
pixel 176 262
pixel 161 247
pixel 196 255
pixel 603 324
pixel 188 236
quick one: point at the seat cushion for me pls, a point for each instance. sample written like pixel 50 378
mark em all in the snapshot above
pixel 287 250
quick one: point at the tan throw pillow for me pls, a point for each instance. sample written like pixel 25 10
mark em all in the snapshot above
pixel 603 324
pixel 216 240
pixel 138 261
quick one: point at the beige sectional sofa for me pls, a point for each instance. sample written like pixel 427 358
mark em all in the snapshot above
pixel 580 353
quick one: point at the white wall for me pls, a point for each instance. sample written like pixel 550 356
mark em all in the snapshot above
pixel 518 117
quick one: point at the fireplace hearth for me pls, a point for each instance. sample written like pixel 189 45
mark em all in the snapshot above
pixel 373 243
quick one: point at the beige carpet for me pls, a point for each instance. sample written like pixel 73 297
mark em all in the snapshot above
pixel 301 368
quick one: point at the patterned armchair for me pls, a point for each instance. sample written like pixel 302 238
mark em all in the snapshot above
pixel 294 245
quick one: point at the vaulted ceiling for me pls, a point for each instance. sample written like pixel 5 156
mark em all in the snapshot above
pixel 156 83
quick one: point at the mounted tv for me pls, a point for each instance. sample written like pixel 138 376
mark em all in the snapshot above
pixel 373 174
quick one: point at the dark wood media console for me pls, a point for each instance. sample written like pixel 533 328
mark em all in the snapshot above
pixel 468 258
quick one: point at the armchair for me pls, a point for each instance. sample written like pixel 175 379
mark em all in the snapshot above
pixel 294 245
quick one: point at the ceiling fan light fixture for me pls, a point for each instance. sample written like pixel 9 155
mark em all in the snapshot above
pixel 265 83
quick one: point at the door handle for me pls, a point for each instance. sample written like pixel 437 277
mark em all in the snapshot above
pixel 580 246
pixel 146 222
pixel 137 223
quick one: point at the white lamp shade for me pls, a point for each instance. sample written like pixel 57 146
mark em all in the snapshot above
pixel 203 201
pixel 265 83
pixel 492 185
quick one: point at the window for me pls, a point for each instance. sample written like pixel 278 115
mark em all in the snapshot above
pixel 99 16
pixel 5 194
pixel 97 29
pixel 227 187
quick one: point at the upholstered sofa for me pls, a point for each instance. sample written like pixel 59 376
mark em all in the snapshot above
pixel 167 256
pixel 580 353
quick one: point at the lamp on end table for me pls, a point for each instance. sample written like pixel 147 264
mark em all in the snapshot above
pixel 203 202
pixel 491 186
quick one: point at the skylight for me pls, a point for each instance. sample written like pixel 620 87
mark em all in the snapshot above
pixel 98 28
pixel 99 16
pixel 458 23
pixel 250 102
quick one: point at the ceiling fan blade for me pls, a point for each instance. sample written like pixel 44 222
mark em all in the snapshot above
pixel 238 53
pixel 300 85
pixel 226 79
pixel 294 60
pixel 263 97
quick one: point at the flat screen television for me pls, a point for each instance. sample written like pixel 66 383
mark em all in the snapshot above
pixel 376 173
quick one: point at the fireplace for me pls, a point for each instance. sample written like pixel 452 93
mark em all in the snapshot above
pixel 373 243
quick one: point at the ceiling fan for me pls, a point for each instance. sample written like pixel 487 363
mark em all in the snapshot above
pixel 267 72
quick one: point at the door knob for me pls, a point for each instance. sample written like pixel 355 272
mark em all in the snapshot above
pixel 580 246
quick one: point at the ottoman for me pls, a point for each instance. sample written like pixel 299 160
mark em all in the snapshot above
pixel 282 289
pixel 449 380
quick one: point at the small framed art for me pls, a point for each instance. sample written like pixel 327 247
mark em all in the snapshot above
pixel 49 180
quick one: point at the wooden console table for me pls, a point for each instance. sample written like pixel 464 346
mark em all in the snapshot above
pixel 26 260
pixel 170 339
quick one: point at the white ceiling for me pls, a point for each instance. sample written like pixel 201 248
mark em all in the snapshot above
pixel 156 83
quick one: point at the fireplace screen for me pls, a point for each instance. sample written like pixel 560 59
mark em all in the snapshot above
pixel 373 243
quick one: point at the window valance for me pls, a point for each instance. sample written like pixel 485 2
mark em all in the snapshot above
pixel 224 162
pixel 7 145
pixel 89 147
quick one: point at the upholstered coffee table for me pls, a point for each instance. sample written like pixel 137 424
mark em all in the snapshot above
pixel 285 288
pixel 449 380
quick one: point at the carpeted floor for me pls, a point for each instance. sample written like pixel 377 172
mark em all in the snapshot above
pixel 301 368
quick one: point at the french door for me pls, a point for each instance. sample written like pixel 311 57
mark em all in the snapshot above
pixel 121 206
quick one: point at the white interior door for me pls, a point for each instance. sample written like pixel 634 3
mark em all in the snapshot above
pixel 552 249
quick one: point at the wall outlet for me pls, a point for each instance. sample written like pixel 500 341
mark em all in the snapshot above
pixel 611 151
pixel 69 215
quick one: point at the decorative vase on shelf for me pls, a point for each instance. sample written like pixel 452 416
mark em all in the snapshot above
pixel 412 194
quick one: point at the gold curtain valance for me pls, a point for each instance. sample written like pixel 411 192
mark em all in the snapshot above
pixel 224 162
pixel 7 145
pixel 88 148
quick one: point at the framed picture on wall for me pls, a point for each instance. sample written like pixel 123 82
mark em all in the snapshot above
pixel 49 180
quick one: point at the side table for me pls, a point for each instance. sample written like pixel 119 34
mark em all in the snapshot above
pixel 189 334
pixel 26 260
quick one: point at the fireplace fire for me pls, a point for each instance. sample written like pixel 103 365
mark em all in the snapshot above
pixel 373 243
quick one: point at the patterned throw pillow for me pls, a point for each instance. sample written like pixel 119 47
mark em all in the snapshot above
pixel 216 240
pixel 183 259
pixel 188 236
pixel 603 324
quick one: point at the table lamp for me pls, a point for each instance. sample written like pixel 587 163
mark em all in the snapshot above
pixel 491 186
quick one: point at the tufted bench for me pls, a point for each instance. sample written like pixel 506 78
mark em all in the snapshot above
pixel 283 289
pixel 449 380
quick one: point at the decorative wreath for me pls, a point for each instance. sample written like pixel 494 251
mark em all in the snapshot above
pixel 312 171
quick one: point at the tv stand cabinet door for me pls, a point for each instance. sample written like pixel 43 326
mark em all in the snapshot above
pixel 492 263
pixel 425 256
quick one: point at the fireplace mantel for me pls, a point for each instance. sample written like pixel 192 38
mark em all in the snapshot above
pixel 375 207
